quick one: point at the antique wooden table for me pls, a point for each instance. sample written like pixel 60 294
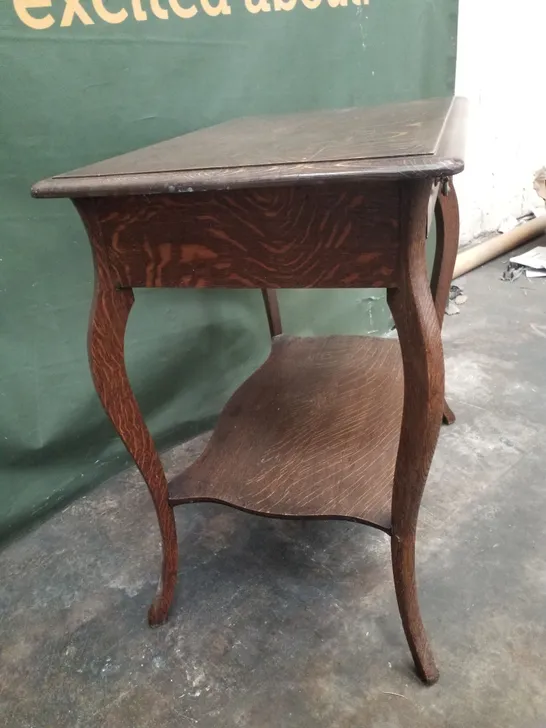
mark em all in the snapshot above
pixel 331 427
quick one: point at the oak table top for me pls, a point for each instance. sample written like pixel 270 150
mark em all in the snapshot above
pixel 415 139
pixel 328 427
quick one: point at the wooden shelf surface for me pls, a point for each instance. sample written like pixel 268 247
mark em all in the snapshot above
pixel 312 433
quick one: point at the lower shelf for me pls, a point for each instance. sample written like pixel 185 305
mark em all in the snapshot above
pixel 312 433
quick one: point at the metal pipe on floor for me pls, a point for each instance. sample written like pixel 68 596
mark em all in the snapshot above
pixel 469 259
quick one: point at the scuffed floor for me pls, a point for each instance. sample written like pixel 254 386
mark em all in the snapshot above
pixel 286 624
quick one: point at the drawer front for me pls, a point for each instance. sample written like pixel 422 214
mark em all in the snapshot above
pixel 343 235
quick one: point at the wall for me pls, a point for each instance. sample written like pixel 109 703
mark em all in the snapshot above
pixel 501 68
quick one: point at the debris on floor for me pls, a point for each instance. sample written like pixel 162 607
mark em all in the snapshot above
pixel 512 272
pixel 532 262
pixel 456 298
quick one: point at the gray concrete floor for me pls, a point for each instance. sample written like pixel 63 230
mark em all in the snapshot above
pixel 294 624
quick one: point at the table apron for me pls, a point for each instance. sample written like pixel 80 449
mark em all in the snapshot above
pixel 344 235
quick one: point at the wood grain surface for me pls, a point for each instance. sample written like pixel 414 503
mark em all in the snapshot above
pixel 334 427
pixel 412 139
pixel 314 432
pixel 447 246
pixel 318 431
pixel 391 130
pixel 108 320
pixel 418 329
pixel 339 236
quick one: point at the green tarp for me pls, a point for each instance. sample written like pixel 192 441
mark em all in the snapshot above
pixel 83 80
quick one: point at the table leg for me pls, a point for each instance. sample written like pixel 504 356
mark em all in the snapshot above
pixel 446 214
pixel 107 324
pixel 418 328
pixel 272 311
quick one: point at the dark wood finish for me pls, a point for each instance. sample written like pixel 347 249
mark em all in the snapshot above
pixel 309 136
pixel 301 237
pixel 418 328
pixel 108 320
pixel 335 427
pixel 447 245
pixel 415 139
pixel 313 432
pixel 272 311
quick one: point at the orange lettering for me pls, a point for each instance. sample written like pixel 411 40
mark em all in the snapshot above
pixel 221 9
pixel 182 12
pixel 138 12
pixel 158 11
pixel 107 15
pixel 261 6
pixel 73 8
pixel 22 8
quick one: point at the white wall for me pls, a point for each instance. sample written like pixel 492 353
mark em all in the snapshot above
pixel 501 69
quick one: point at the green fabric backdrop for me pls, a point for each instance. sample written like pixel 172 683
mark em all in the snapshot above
pixel 82 89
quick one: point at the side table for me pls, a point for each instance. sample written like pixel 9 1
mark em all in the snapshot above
pixel 328 427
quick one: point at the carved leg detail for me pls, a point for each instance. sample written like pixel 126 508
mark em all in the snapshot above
pixel 418 328
pixel 107 324
pixel 446 213
pixel 403 566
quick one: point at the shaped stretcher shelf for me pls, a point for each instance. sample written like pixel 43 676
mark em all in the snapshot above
pixel 312 433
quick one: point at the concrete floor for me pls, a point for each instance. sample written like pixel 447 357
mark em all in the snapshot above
pixel 294 624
